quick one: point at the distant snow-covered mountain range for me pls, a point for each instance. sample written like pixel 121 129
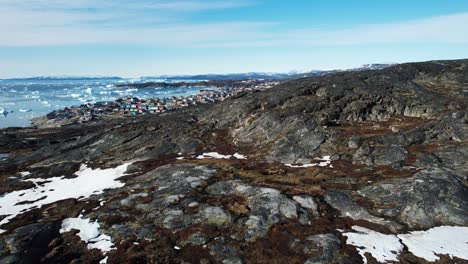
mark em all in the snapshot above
pixel 65 78
pixel 200 77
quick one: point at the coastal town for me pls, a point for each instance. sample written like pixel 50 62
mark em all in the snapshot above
pixel 133 106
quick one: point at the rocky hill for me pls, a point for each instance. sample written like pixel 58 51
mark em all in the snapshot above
pixel 341 168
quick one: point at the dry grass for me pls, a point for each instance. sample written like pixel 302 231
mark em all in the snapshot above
pixel 380 128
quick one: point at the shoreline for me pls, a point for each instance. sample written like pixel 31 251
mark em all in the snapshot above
pixel 241 83
pixel 133 106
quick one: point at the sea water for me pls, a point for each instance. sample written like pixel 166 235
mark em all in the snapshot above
pixel 22 100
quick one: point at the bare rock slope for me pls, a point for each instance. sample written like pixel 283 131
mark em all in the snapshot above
pixel 385 150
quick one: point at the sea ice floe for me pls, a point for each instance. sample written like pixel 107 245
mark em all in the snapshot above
pixel 324 161
pixel 88 91
pixel 216 155
pixel 89 233
pixel 3 112
pixel 450 240
pixel 86 183
pixel 442 240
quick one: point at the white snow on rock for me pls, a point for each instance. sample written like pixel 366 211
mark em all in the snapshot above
pixel 325 158
pixel 239 156
pixel 24 173
pixel 382 247
pixel 449 240
pixel 216 155
pixel 89 233
pixel 442 240
pixel 307 165
pixel 86 183
pixel 324 161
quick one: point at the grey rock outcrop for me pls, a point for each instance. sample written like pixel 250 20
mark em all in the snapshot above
pixel 348 208
pixel 429 198
pixel 326 244
pixel 267 206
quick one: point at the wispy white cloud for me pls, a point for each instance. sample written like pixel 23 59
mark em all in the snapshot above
pixel 177 5
pixel 61 22
pixel 441 29
pixel 167 36
pixel 28 15
pixel 165 24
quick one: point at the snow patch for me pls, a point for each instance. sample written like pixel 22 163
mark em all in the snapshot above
pixel 86 183
pixel 25 173
pixel 324 161
pixel 382 247
pixel 239 156
pixel 216 155
pixel 442 240
pixel 307 165
pixel 450 240
pixel 89 233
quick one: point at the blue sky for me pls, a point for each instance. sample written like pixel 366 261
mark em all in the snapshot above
pixel 153 37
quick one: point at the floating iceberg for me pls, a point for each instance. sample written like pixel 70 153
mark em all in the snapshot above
pixel 3 112
pixel 89 91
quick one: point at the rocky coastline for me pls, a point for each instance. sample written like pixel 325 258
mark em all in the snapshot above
pixel 133 106
pixel 235 83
